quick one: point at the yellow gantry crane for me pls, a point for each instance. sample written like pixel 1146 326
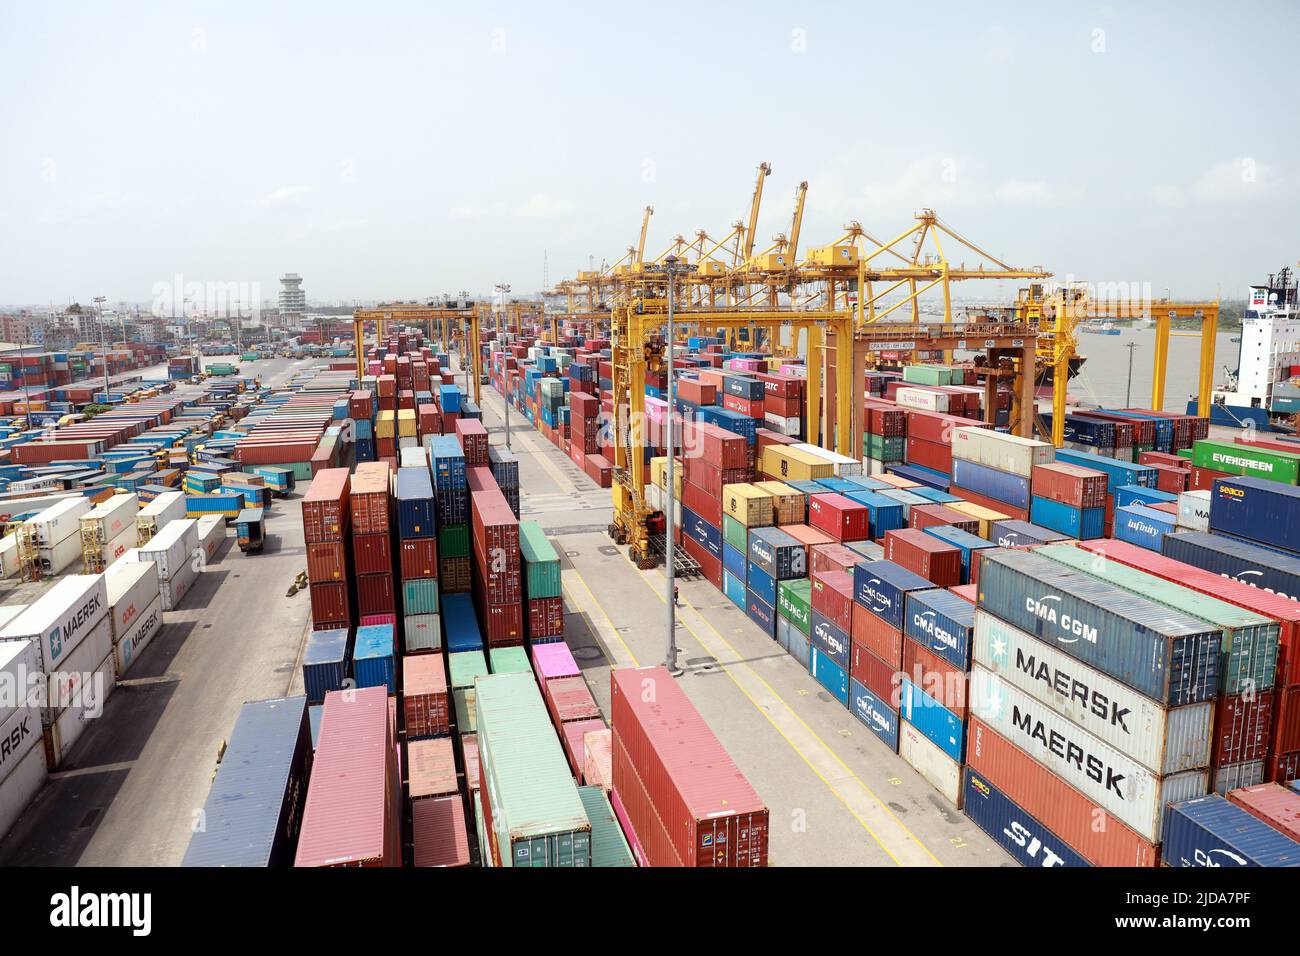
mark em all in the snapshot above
pixel 452 323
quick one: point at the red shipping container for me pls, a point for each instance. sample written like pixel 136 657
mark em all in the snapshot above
pixel 877 636
pixel 1098 837
pixel 1282 768
pixel 831 557
pixel 361 404
pixel 1203 478
pixel 1162 458
pixel 502 623
pixel 473 438
pixel 327 561
pixel 784 407
pixel 721 448
pixel 352 813
pixel 781 386
pixel 841 518
pixel 967 592
pixel 765 437
pixel 375 594
pixel 500 578
pixel 686 799
pixel 887 421
pixel 424 697
pixel 1286 723
pixel 496 529
pixel 329 605
pixel 598 469
pixel 369 497
pixel 874 674
pixel 1276 805
pixel 832 597
pixel 325 511
pixel 546 617
pixel 924 554
pixel 569 699
pixel 1284 610
pixel 710 566
pixel 942 680
pixel 1172 480
pixel 372 553
pixel 929 454
pixel 750 408
pixel 930 516
pixel 1242 725
pixel 419 558
pixel 571 734
pixel 1069 484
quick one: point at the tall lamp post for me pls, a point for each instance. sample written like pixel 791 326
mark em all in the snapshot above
pixel 502 288
pixel 672 268
pixel 103 340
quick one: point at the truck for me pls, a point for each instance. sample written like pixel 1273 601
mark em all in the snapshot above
pixel 250 530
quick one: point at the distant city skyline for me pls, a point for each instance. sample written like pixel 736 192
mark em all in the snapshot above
pixel 436 148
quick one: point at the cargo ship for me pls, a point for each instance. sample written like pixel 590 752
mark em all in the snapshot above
pixel 1099 328
pixel 1264 389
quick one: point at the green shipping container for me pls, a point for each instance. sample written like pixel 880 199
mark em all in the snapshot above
pixel 509 660
pixel 463 699
pixel 608 845
pixel 420 596
pixel 1185 453
pixel 453 541
pixel 541 563
pixel 464 666
pixel 1245 460
pixel 736 535
pixel 1249 654
pixel 536 816
pixel 794 602
pixel 927 374
pixel 885 448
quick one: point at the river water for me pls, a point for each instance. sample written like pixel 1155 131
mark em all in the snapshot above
pixel 1104 378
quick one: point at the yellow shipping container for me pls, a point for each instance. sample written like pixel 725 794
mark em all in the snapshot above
pixel 386 425
pixel 659 475
pixel 789 506
pixel 985 516
pixel 406 423
pixel 783 462
pixel 751 506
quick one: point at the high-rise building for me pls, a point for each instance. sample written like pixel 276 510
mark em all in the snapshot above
pixel 293 301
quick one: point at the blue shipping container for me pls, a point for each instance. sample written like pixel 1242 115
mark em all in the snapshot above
pixel 325 662
pixel 886 513
pixel 460 623
pixel 1245 562
pixel 699 530
pixel 942 622
pixel 865 483
pixel 934 495
pixel 415 503
pixel 990 482
pixel 761 583
pixel 1139 525
pixel 1126 495
pixel 879 717
pixel 829 674
pixel 881 587
pixel 830 639
pixel 1019 534
pixel 800 647
pixel 1257 509
pixel 841 486
pixel 733 561
pixel 372 658
pixel 963 541
pixel 920 474
pixel 1081 523
pixel 734 588
pixel 940 725
pixel 761 613
pixel 1029 842
pixel 1210 831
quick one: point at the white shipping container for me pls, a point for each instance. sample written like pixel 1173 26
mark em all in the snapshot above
pixel 169 506
pixel 173 547
pixel 1194 510
pixel 212 535
pixel 8 556
pixel 844 465
pixel 61 617
pixel 107 521
pixel 62 556
pixel 20 665
pixel 926 758
pixel 413 458
pixel 21 786
pixel 173 589
pixel 61 735
pixel 1004 452
pixel 58 521
pixel 132 586
pixel 67 683
pixel 922 399
pixel 11 611
pixel 422 632
pixel 126 651
pixel 1164 740
pixel 784 426
pixel 1114 781
pixel 114 550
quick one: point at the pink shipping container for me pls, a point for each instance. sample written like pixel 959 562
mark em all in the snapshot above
pixel 685 798
pixel 438 832
pixel 1276 805
pixel 424 696
pixel 431 768
pixel 551 661
pixel 573 735
pixel 832 557
pixel 352 814
pixel 569 698
pixel 596 761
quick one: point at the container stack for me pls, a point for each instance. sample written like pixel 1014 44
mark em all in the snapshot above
pixel 447 464
pixel 418 558
pixel 24 770
pixel 543 591
pixel 994 470
pixel 372 538
pixel 327 530
pixel 135 610
pixel 743 507
pixel 497 578
pixel 505 469
pixel 773 556
pixel 173 553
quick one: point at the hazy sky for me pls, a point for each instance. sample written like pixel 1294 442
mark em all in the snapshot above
pixel 392 149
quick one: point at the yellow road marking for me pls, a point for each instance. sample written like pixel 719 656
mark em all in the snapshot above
pixel 613 639
pixel 860 801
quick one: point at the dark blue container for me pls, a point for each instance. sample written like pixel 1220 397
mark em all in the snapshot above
pixel 963 541
pixel 734 561
pixel 1020 534
pixel 742 386
pixel 446 461
pixel 1164 428
pixel 325 662
pixel 990 482
pixel 372 658
pixel 882 586
pixel 942 622
pixel 460 624
pixel 1258 510
pixel 254 810
pixel 1126 495
pixel 699 530
pixel 832 640
pixel 761 583
pixel 780 554
pixel 922 475
pixel 936 722
pixel 1081 523
pixel 415 505
pixel 829 674
pixel 1029 842
pixel 505 466
pixel 761 613
pixel 364 449
pixel 1240 560
pixel 886 513
pixel 1140 525
pixel 879 717
pixel 452 506
pixel 1210 831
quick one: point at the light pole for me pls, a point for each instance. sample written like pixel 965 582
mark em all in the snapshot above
pixel 103 340
pixel 671 268
pixel 1128 392
pixel 502 288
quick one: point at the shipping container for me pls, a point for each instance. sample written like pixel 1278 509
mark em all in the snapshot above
pixel 875 713
pixel 881 587
pixel 1276 805
pixel 373 657
pixel 425 702
pixel 1028 841
pixel 1266 512
pixel 438 832
pixel 925 555
pixel 326 662
pixel 325 506
pixel 1249 563
pixel 942 622
pixel 931 761
pixel 1211 831
pixel 609 847
pixel 992 483
pixel 61 618
pixel 431 768
pixel 939 724
pixel 1004 452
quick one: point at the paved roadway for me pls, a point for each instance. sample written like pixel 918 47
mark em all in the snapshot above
pixel 836 795
pixel 129 792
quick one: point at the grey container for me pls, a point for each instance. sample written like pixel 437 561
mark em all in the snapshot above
pixel 1234 776
pixel 1162 653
